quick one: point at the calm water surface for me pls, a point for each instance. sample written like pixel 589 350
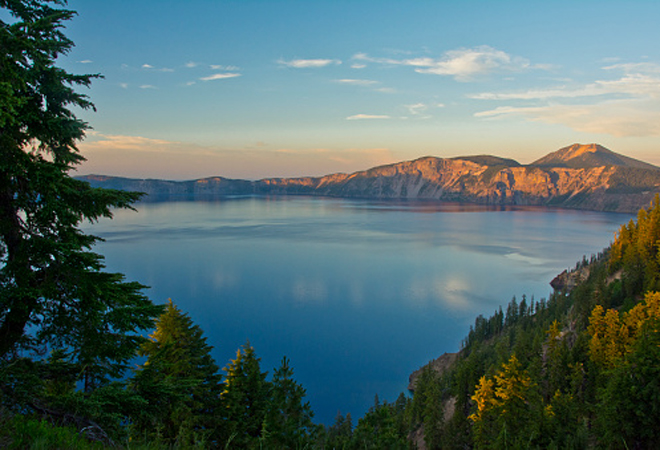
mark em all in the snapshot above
pixel 357 294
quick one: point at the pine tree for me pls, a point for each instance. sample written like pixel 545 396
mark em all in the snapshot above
pixel 54 293
pixel 245 398
pixel 288 422
pixel 181 382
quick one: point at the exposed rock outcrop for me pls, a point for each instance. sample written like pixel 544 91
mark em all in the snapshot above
pixel 439 365
pixel 580 177
pixel 566 281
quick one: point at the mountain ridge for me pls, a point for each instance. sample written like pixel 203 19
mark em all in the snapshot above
pixel 578 176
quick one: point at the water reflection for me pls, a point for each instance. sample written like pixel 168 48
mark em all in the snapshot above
pixel 356 293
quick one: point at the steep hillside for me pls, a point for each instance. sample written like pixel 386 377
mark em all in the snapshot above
pixel 580 176
pixel 579 370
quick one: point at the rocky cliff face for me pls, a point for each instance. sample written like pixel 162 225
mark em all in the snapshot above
pixel 579 176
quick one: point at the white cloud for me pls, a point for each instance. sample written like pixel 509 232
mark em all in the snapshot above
pixel 636 85
pixel 462 64
pixel 308 63
pixel 221 67
pixel 86 61
pixel 540 94
pixel 372 84
pixel 220 76
pixel 421 110
pixel 123 85
pixel 162 69
pixel 416 108
pixel 191 64
pixel 119 142
pixel 367 117
pixel 148 86
pixel 358 66
pixel 645 67
pixel 363 57
pixel 357 82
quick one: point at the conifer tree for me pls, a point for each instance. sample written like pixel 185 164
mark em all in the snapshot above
pixel 180 380
pixel 54 293
pixel 288 421
pixel 245 398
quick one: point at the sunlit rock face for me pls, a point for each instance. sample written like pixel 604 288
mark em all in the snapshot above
pixel 579 176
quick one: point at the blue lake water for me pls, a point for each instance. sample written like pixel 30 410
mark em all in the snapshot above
pixel 357 294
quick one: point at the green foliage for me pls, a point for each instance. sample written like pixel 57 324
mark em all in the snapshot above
pixel 383 426
pixel 21 432
pixel 635 251
pixel 629 180
pixel 245 398
pixel 179 381
pixel 288 422
pixel 50 282
pixel 627 346
pixel 339 435
pixel 585 372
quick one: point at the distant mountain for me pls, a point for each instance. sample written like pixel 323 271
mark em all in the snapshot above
pixel 580 176
pixel 579 156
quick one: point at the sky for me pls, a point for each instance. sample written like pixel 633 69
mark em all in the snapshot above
pixel 282 88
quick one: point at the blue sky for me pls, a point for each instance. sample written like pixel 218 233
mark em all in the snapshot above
pixel 251 89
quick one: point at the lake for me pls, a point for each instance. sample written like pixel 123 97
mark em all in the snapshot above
pixel 356 293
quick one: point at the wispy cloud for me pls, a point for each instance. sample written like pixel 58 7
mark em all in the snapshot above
pixel 367 117
pixel 161 69
pixel 86 61
pixel 371 84
pixel 621 118
pixel 308 63
pixel 148 86
pixel 464 64
pixel 541 94
pixel 637 85
pixel 101 141
pixel 222 67
pixel 421 110
pixel 636 68
pixel 220 76
pixel 624 106
pixel 357 82
pixel 191 64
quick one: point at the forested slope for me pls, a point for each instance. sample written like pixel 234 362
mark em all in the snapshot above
pixel 580 370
